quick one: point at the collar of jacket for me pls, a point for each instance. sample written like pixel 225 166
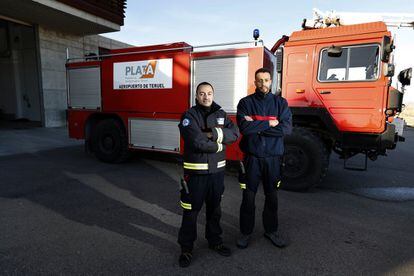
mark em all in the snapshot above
pixel 211 109
pixel 259 94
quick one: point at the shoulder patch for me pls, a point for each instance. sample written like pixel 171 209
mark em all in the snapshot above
pixel 186 122
pixel 220 121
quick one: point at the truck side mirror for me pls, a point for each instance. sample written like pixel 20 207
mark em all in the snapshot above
pixel 387 48
pixel 334 51
pixel 279 60
pixel 405 76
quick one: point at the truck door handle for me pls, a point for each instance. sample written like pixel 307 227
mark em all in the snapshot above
pixel 325 92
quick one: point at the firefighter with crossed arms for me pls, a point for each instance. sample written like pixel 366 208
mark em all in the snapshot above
pixel 206 130
pixel 263 119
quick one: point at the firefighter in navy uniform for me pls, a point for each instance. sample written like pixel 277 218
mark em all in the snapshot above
pixel 263 119
pixel 206 131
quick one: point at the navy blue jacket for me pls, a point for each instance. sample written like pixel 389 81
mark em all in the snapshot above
pixel 259 139
pixel 203 155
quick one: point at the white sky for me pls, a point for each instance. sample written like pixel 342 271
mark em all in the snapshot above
pixel 200 22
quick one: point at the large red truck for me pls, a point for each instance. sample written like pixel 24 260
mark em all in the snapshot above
pixel 337 82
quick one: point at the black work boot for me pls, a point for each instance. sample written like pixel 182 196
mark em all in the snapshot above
pixel 221 249
pixel 243 241
pixel 276 239
pixel 185 258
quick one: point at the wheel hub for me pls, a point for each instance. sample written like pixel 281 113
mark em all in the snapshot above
pixel 296 162
pixel 108 143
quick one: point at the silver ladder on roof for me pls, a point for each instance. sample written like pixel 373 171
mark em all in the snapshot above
pixel 254 43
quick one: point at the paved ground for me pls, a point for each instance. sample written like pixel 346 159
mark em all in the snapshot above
pixel 64 212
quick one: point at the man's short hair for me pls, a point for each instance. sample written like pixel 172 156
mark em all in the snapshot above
pixel 204 83
pixel 263 70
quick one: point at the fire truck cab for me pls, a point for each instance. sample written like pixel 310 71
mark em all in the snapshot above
pixel 337 80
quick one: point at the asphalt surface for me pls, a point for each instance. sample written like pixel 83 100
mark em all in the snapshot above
pixel 64 212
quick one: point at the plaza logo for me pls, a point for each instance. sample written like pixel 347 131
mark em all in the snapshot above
pixel 143 74
pixel 144 71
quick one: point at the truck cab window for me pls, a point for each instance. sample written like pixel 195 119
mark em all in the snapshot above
pixel 355 64
pixel 333 68
pixel 363 63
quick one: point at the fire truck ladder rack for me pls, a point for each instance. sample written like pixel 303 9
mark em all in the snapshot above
pixel 99 57
pixel 332 18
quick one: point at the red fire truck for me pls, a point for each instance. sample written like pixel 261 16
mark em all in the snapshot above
pixel 337 81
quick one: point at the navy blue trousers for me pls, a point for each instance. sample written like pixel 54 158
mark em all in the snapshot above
pixel 202 188
pixel 267 171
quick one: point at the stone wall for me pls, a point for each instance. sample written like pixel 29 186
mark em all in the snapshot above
pixel 52 46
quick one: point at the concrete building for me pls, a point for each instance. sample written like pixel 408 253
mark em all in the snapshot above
pixel 35 36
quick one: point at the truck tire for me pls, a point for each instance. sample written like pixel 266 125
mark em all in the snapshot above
pixel 305 161
pixel 110 142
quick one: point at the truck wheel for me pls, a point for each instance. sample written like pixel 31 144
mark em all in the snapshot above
pixel 305 161
pixel 110 142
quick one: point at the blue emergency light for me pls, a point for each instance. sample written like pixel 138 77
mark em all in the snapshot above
pixel 256 34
